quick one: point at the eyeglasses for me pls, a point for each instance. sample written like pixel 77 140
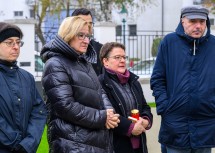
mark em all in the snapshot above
pixel 12 43
pixel 118 57
pixel 82 36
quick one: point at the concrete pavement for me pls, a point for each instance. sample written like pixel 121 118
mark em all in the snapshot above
pixel 152 135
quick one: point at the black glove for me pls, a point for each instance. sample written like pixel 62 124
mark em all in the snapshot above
pixel 19 149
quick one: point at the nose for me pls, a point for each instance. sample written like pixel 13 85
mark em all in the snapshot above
pixel 198 24
pixel 15 45
pixel 87 40
pixel 122 59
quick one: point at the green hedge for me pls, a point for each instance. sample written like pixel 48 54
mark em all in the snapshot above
pixel 43 147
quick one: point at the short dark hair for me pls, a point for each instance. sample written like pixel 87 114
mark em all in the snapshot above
pixel 107 48
pixel 81 11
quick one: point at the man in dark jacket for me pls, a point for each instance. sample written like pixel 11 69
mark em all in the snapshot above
pixel 93 45
pixel 22 111
pixel 183 84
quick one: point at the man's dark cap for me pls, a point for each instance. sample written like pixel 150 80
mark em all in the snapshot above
pixel 194 12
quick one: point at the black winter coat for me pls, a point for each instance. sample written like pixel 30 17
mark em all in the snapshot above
pixel 121 142
pixel 77 114
pixel 95 46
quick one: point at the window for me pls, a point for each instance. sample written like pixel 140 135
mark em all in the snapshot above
pixel 32 14
pixel 119 30
pixel 198 2
pixel 133 30
pixel 25 63
pixel 18 13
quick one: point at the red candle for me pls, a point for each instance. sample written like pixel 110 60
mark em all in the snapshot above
pixel 135 113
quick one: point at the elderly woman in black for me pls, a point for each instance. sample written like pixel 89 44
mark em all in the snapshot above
pixel 79 112
pixel 125 94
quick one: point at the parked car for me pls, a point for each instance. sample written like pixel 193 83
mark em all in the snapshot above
pixel 38 64
pixel 143 68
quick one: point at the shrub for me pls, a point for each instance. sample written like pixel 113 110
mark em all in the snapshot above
pixel 155 45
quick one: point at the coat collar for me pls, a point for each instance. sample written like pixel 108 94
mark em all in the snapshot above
pixel 58 47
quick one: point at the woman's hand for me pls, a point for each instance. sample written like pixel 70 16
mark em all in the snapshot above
pixel 112 119
pixel 139 127
pixel 145 123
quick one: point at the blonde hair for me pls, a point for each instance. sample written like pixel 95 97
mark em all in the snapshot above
pixel 71 26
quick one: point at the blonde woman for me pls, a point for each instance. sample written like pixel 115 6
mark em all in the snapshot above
pixel 79 112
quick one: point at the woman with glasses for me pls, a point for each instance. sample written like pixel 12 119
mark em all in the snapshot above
pixel 126 96
pixel 22 110
pixel 80 113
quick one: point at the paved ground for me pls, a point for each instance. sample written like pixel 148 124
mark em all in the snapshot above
pixel 152 135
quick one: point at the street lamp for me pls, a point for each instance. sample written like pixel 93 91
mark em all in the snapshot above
pixel 123 14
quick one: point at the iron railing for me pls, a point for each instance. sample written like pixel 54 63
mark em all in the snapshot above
pixel 138 50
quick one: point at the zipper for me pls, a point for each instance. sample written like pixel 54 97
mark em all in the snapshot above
pixel 120 103
pixel 134 94
pixel 194 48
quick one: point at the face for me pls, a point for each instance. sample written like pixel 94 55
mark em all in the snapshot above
pixel 194 27
pixel 116 60
pixel 10 53
pixel 81 41
pixel 87 18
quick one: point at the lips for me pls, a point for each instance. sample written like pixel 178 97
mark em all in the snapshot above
pixel 14 54
pixel 197 31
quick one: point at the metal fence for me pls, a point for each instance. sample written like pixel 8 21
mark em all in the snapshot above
pixel 141 50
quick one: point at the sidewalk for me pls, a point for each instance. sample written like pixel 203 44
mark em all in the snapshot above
pixel 152 135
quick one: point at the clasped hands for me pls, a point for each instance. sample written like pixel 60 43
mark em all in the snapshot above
pixel 140 126
pixel 112 119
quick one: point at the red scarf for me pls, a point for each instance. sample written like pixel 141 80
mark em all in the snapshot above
pixel 123 78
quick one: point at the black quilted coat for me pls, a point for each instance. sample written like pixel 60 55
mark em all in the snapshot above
pixel 75 101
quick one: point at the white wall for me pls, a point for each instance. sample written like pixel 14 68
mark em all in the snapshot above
pixel 104 32
pixel 151 18
pixel 7 8
pixel 145 84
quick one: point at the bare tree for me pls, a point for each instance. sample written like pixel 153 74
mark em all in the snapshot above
pixel 101 8
pixel 41 7
pixel 210 4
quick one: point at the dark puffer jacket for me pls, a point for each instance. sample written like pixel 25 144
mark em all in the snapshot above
pixel 95 46
pixel 77 114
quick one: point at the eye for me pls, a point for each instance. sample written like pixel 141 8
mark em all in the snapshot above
pixel 89 36
pixel 117 57
pixel 10 42
pixel 202 21
pixel 124 57
pixel 90 23
pixel 81 35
